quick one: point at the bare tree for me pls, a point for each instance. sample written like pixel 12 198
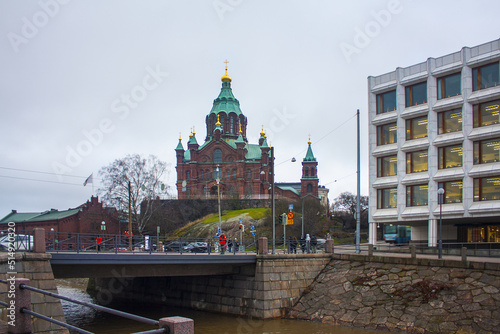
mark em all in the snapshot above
pixel 137 178
pixel 344 207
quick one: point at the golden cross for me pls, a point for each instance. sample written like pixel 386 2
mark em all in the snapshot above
pixel 226 64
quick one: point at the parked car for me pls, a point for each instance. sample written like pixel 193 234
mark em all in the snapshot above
pixel 175 246
pixel 321 243
pixel 20 242
pixel 196 247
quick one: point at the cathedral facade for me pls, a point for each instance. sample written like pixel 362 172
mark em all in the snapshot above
pixel 227 164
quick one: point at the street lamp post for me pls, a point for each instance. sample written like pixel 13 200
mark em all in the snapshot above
pixel 440 242
pixel 272 199
pixel 218 197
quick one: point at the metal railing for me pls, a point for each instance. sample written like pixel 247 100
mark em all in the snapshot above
pixel 22 306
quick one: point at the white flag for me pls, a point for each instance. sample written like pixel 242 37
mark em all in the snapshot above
pixel 89 180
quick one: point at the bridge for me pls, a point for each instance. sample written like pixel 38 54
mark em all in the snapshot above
pixel 93 265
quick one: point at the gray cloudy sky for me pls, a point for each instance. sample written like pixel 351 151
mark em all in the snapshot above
pixel 83 83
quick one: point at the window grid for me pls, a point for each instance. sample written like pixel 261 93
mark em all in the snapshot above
pixel 415 127
pixel 417 195
pixel 448 152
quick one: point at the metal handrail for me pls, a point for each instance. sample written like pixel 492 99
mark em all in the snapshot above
pixel 94 306
pixel 122 314
pixel 57 322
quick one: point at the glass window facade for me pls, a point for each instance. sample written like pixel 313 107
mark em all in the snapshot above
pixel 452 191
pixel 485 76
pixel 417 195
pixel 486 113
pixel 486 151
pixel 387 166
pixel 387 198
pixel 449 121
pixel 487 189
pixel 484 234
pixel 387 134
pixel 416 94
pixel 386 102
pixel 416 161
pixel 450 85
pixel 450 156
pixel 416 128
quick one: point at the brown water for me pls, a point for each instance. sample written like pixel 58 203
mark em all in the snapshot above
pixel 205 322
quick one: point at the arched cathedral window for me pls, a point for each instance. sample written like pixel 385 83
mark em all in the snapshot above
pixel 217 156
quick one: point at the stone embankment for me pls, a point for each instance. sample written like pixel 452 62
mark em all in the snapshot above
pixel 397 294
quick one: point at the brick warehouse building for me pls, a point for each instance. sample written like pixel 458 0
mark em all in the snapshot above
pixel 86 218
pixel 243 169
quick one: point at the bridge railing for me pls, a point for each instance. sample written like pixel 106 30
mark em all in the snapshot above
pixel 12 241
pixel 19 312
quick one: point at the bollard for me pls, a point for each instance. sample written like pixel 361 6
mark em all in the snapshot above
pixel 19 298
pixel 464 254
pixel 178 325
pixel 329 247
pixel 370 249
pixel 413 251
pixel 262 246
pixel 38 240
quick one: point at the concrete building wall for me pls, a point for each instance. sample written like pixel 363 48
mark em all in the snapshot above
pixel 429 71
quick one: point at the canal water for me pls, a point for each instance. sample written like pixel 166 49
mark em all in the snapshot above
pixel 205 322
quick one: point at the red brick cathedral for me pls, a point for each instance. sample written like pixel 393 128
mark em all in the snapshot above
pixel 242 169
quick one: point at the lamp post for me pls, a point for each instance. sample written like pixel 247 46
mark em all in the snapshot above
pixel 272 199
pixel 440 242
pixel 218 197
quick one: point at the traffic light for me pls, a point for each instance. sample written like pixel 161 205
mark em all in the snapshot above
pixel 280 220
pixel 242 227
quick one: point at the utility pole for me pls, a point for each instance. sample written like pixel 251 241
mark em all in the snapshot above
pixel 358 213
pixel 129 217
pixel 272 198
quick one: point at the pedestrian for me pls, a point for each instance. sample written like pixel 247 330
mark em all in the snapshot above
pixel 308 243
pixel 236 245
pixel 328 236
pixel 303 244
pixel 293 245
pixel 314 243
pixel 229 245
pixel 222 243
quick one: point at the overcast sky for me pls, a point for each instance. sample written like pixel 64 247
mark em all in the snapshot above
pixel 83 83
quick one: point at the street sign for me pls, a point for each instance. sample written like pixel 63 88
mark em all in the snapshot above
pixel 290 207
pixel 218 231
pixel 290 215
pixel 290 218
pixel 253 234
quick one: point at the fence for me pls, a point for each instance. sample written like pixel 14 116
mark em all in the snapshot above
pixel 19 312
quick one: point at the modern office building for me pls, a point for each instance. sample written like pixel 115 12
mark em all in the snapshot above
pixel 436 125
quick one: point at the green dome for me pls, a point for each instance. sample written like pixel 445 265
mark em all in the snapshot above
pixel 226 102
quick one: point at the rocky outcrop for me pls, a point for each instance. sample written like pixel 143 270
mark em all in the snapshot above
pixel 416 296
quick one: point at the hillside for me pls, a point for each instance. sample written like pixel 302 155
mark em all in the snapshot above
pixel 206 227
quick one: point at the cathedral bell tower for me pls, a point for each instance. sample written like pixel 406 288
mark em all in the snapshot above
pixel 309 181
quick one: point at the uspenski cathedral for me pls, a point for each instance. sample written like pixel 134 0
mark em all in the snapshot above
pixel 240 169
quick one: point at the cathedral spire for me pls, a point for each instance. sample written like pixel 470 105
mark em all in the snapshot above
pixel 226 77
pixel 309 155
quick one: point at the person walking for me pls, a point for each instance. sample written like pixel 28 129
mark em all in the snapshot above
pixel 308 243
pixel 314 243
pixel 302 244
pixel 293 245
pixel 229 245
pixel 222 243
